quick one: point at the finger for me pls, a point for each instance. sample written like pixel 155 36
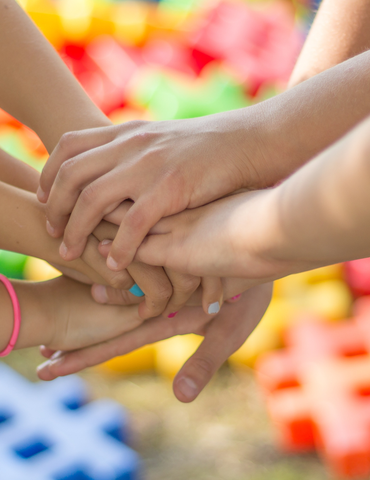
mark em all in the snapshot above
pixel 95 201
pixel 156 286
pixel 45 351
pixel 212 298
pixel 92 258
pixel 70 145
pixel 140 218
pixel 154 250
pixel 113 296
pixel 183 287
pixel 73 176
pixel 224 335
pixel 153 330
pixel 118 214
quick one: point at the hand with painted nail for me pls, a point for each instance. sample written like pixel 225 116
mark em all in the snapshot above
pixel 61 314
pixel 223 335
pixel 164 167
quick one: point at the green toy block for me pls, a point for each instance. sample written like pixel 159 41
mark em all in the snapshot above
pixel 12 264
pixel 170 97
pixel 11 142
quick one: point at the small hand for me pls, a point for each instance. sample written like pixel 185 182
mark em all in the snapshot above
pixel 223 335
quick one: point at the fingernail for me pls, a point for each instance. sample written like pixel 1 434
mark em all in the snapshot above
pixel 41 195
pixel 171 315
pixel 187 387
pixel 100 294
pixel 56 355
pixel 63 250
pixel 49 228
pixel 136 290
pixel 105 242
pixel 51 363
pixel 236 297
pixel 214 308
pixel 111 263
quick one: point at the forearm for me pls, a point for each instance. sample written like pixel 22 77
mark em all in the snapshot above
pixel 296 125
pixel 320 215
pixel 340 31
pixel 35 324
pixel 17 173
pixel 35 84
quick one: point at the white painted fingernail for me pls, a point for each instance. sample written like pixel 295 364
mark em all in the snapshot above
pixel 105 242
pixel 214 308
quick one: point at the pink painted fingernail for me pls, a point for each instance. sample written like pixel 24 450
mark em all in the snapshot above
pixel 111 263
pixel 171 315
pixel 49 228
pixel 63 250
pixel 236 297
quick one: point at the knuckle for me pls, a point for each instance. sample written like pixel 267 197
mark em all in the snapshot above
pixel 89 194
pixel 203 365
pixel 187 285
pixel 67 139
pixel 136 218
pixel 118 281
pixel 66 170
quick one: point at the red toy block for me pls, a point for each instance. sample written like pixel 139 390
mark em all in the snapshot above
pixel 357 275
pixel 260 45
pixel 318 391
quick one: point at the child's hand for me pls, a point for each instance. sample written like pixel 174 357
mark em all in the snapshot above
pixel 223 335
pixel 165 167
pixel 228 238
pixel 71 318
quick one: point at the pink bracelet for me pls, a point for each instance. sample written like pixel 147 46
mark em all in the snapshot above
pixel 17 316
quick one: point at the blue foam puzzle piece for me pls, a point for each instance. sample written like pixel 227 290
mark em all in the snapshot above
pixel 49 431
pixel 136 290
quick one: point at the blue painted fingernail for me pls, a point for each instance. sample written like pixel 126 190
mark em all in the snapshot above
pixel 136 290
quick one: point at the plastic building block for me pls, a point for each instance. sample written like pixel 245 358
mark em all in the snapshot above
pixel 177 96
pixel 37 270
pixel 357 274
pixel 318 391
pixel 12 264
pixel 138 361
pixel 50 432
pixel 174 352
pixel 261 46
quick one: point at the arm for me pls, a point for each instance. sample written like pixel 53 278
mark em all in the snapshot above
pixel 34 81
pixel 17 173
pixel 341 30
pixel 319 216
pixel 166 167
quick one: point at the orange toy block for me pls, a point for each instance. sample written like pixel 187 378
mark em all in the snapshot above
pixel 318 391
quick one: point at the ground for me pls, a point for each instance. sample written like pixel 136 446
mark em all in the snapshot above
pixel 224 435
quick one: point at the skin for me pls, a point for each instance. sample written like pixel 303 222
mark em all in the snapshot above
pixel 41 84
pixel 339 108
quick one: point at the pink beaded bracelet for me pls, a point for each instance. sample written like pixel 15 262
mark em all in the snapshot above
pixel 17 316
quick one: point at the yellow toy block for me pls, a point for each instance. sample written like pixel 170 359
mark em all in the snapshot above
pixel 38 270
pixel 173 353
pixel 130 22
pixel 138 361
pixel 76 18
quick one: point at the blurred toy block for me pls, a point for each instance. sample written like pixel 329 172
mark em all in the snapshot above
pixel 51 432
pixel 37 270
pixel 174 96
pixel 318 391
pixel 47 18
pixel 260 44
pixel 171 354
pixel 139 361
pixel 12 264
pixel 357 274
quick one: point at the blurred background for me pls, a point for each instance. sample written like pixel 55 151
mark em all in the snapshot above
pixel 261 417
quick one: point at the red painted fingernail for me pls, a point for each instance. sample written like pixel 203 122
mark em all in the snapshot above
pixel 171 315
pixel 236 297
